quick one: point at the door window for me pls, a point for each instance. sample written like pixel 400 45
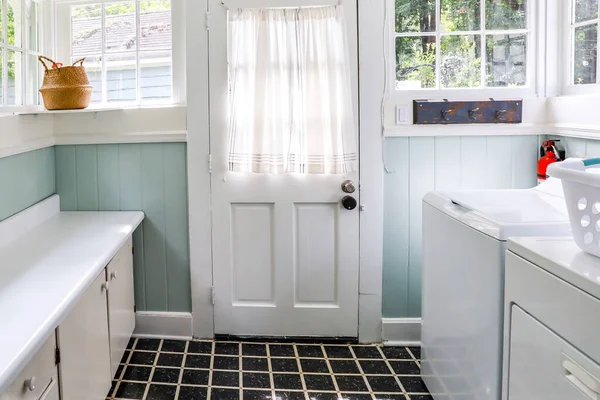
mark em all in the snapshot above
pixel 291 101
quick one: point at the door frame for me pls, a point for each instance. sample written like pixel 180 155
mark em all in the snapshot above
pixel 371 61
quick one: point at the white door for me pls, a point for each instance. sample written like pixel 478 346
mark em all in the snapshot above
pixel 285 251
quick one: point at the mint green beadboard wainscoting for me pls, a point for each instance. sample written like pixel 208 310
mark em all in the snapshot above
pixel 26 179
pixel 150 177
pixel 417 165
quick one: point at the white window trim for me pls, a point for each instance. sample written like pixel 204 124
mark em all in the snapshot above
pixel 42 46
pixel 61 46
pixel 533 72
pixel 566 66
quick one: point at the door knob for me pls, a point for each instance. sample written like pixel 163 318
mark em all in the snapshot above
pixel 30 384
pixel 348 187
pixel 349 203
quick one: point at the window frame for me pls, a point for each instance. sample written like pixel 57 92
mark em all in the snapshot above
pixel 61 40
pixel 533 73
pixel 567 51
pixel 25 49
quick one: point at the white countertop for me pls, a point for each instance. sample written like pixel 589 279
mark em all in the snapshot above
pixel 45 271
pixel 561 257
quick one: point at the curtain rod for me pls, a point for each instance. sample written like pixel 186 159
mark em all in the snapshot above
pixel 235 4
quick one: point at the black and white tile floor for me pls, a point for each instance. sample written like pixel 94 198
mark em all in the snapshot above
pixel 154 369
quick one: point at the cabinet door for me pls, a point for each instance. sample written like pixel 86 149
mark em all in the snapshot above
pixel 37 375
pixel 84 346
pixel 121 316
pixel 51 392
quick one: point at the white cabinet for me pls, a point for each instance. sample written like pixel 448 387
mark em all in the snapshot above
pixel 52 392
pixel 544 366
pixel 37 378
pixel 83 340
pixel 121 314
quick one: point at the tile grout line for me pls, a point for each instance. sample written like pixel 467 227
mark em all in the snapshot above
pixel 418 361
pixel 114 393
pixel 270 370
pixel 213 346
pixel 153 368
pixel 183 361
pixel 362 372
pixel 332 375
pixel 387 362
pixel 240 372
pixel 300 371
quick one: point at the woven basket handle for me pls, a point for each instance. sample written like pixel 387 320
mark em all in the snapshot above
pixel 42 58
pixel 80 62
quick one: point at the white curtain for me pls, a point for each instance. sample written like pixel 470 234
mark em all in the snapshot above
pixel 291 97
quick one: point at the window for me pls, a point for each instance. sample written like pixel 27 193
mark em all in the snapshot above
pixel 127 45
pixel 584 42
pixel 450 44
pixel 19 48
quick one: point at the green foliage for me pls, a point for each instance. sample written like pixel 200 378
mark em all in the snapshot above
pixel 461 58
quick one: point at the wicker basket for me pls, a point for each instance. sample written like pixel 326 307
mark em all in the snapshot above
pixel 65 88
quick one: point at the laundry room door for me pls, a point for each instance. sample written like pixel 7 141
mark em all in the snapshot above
pixel 285 245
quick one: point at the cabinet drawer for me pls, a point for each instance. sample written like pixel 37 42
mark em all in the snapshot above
pixel 544 366
pixel 36 376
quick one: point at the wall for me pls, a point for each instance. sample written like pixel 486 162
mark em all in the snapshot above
pixel 26 179
pixel 417 165
pixel 574 115
pixel 582 148
pixel 151 177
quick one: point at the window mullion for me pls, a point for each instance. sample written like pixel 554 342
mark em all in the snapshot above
pixel 138 67
pixel 483 44
pixel 597 49
pixel 24 53
pixel 104 74
pixel 438 44
pixel 4 53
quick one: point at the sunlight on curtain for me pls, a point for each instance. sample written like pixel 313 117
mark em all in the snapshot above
pixel 291 96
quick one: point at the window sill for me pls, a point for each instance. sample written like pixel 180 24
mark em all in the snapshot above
pixel 39 110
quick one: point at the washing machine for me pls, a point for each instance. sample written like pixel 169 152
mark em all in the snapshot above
pixel 464 243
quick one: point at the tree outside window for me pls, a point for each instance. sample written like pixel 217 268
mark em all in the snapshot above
pixel 19 41
pixel 584 31
pixel 475 43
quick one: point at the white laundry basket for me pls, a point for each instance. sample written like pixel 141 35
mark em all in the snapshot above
pixel 582 195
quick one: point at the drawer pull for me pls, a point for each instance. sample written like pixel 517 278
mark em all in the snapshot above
pixel 104 286
pixel 30 384
pixel 113 275
pixel 579 377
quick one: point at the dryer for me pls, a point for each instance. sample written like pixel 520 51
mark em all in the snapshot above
pixel 552 320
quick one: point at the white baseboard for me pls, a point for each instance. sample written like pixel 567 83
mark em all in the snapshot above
pixel 401 331
pixel 164 325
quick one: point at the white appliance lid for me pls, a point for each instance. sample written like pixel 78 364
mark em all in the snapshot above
pixel 540 211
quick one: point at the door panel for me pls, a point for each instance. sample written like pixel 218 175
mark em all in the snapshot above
pixel 285 253
pixel 252 253
pixel 315 259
